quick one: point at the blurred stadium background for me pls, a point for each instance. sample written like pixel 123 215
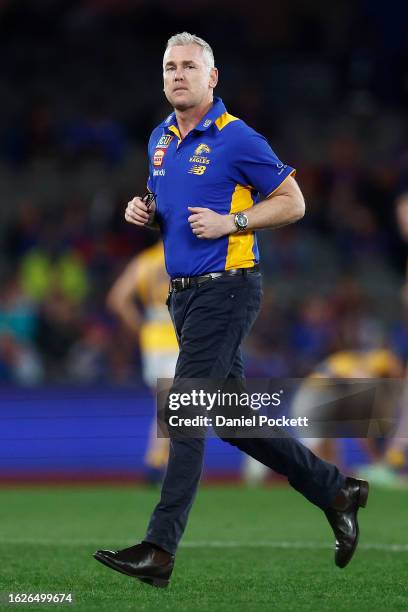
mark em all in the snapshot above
pixel 80 91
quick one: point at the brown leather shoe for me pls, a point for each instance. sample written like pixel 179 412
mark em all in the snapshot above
pixel 144 561
pixel 342 517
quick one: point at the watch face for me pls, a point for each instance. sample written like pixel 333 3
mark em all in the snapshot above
pixel 241 220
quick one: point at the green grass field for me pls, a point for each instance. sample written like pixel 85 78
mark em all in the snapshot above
pixel 244 549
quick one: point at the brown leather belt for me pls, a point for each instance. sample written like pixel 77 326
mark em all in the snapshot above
pixel 186 282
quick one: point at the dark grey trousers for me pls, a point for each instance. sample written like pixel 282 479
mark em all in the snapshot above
pixel 211 321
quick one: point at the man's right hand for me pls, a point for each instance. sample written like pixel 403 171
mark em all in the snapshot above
pixel 139 213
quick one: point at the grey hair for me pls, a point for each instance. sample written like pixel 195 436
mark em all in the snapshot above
pixel 185 38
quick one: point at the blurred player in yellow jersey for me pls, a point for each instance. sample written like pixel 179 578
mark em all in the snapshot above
pixel 145 280
pixel 338 404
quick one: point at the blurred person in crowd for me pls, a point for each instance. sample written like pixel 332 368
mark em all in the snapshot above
pixel 23 231
pixel 18 312
pixel 313 332
pixel 58 330
pixel 42 270
pixel 145 280
pixel 88 359
pixel 19 362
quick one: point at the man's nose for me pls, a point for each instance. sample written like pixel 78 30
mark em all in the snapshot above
pixel 179 74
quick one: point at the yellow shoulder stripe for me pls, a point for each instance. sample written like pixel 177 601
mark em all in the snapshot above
pixel 224 120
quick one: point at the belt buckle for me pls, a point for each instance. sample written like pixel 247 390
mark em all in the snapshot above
pixel 181 283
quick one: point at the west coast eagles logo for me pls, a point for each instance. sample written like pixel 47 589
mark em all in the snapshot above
pixel 199 160
pixel 202 148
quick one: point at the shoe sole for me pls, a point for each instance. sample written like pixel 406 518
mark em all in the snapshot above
pixel 160 583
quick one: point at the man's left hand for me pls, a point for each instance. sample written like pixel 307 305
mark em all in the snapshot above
pixel 205 223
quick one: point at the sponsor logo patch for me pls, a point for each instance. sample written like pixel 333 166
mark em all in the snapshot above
pixel 158 157
pixel 161 149
pixel 199 170
pixel 164 141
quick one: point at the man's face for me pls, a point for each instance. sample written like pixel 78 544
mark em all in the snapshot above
pixel 188 81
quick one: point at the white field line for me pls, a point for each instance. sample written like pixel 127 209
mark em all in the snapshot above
pixel 204 544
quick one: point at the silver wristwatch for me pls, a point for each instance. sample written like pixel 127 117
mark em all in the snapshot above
pixel 241 221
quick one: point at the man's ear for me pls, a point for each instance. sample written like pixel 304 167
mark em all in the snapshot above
pixel 213 77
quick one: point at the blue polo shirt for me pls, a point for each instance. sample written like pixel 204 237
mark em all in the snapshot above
pixel 222 164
